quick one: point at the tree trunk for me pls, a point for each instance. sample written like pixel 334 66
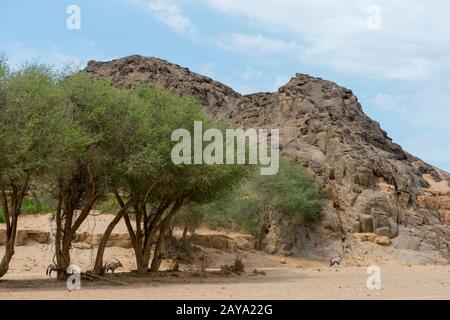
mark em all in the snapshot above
pixel 143 249
pixel 9 252
pixel 63 260
pixel 158 254
pixel 184 237
pixel 98 267
pixel 141 261
pixel 162 226
pixel 62 241
pixel 11 229
pixel 80 191
pixel 11 218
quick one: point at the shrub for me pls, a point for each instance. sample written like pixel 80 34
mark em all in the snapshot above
pixel 32 206
pixel 292 192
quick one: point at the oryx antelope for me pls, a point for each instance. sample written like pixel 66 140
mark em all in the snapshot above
pixel 50 269
pixel 335 261
pixel 112 265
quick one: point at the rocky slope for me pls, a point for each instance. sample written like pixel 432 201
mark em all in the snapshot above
pixel 384 204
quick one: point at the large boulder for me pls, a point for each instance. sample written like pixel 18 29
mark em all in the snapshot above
pixel 377 213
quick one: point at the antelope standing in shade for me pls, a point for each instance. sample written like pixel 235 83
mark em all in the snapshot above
pixel 112 265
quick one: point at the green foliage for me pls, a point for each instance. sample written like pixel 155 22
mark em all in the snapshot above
pixel 190 216
pixel 107 205
pixel 143 155
pixel 36 135
pixel 292 192
pixel 4 71
pixel 33 206
pixel 97 111
pixel 80 138
pixel 51 124
pixel 37 206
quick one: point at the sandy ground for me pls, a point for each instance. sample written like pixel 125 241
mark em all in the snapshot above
pixel 286 283
pixel 31 260
pixel 285 278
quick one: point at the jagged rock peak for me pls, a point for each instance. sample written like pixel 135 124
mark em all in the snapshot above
pixel 135 69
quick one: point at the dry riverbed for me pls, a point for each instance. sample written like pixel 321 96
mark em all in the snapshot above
pixel 425 282
pixel 285 277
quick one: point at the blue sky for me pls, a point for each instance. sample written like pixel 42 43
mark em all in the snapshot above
pixel 394 54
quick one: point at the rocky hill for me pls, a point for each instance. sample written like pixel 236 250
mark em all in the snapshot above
pixel 384 204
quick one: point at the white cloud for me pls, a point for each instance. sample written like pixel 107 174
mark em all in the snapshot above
pixel 407 42
pixel 424 108
pixel 411 43
pixel 207 69
pixel 256 44
pixel 250 73
pixel 18 54
pixel 172 16
pixel 430 108
pixel 384 102
pixel 431 147
pixel 62 59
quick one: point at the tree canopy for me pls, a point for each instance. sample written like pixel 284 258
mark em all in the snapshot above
pixel 80 139
pixel 292 193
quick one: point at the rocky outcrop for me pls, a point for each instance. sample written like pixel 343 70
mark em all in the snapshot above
pixel 136 69
pixel 223 242
pixel 371 237
pixel 374 186
pixel 25 236
pixel 86 240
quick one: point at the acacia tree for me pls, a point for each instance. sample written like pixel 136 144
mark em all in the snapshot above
pixel 187 184
pixel 143 167
pixel 198 185
pixel 34 131
pixel 147 184
pixel 137 157
pixel 98 108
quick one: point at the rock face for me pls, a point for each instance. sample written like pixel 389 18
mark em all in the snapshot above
pixel 374 186
pixel 25 236
pixel 85 240
pixel 133 70
pixel 224 242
